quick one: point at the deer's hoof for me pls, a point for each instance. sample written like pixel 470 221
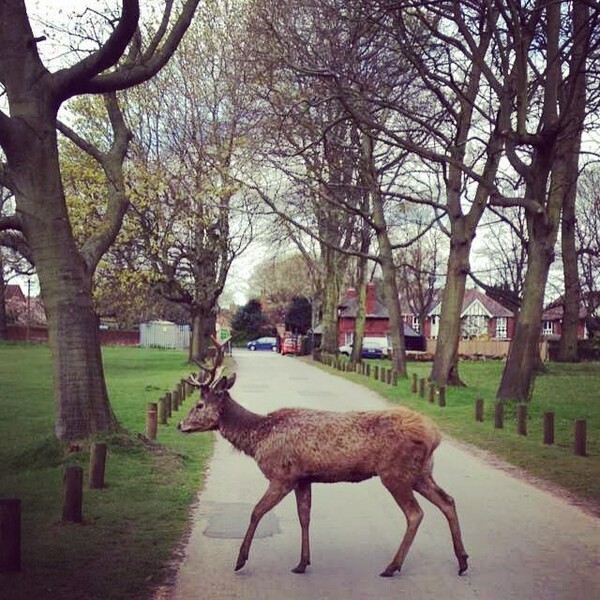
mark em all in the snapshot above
pixel 389 571
pixel 463 564
pixel 240 563
pixel 299 568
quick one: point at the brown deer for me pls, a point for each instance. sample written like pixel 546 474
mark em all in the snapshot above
pixel 296 447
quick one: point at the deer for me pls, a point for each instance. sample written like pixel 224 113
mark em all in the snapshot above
pixel 296 447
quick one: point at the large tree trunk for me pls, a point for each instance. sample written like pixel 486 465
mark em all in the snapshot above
pixel 524 355
pixel 444 370
pixel 331 298
pixel 81 399
pixel 203 327
pixel 360 320
pixel 2 301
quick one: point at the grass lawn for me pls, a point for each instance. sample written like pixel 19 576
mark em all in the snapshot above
pixel 132 527
pixel 571 391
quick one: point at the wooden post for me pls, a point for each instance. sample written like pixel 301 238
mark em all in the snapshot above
pixel 73 494
pixel 10 535
pixel 442 396
pixel 413 387
pixel 183 387
pixel 394 377
pixel 151 421
pixel 162 411
pixel 169 404
pixel 422 387
pixel 549 428
pixel 368 369
pixel 388 376
pixel 479 410
pixel 375 371
pixel 522 418
pixel 579 437
pixel 432 392
pixel 499 415
pixel 97 465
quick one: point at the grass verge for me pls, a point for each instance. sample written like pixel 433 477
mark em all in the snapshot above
pixel 132 528
pixel 569 390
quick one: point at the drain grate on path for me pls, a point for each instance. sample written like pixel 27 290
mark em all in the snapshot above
pixel 230 521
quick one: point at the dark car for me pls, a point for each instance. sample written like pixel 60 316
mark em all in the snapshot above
pixel 263 343
pixel 371 348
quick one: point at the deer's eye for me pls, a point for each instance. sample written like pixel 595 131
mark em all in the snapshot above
pixel 200 405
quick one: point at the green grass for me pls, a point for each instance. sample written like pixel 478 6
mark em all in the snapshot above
pixel 571 391
pixel 131 528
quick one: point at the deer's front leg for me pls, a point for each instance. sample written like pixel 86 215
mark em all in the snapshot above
pixel 303 502
pixel 275 493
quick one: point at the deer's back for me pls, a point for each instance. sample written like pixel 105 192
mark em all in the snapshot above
pixel 330 446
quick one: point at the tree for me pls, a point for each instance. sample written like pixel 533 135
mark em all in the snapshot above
pixel 127 55
pixel 248 321
pixel 548 130
pixel 298 315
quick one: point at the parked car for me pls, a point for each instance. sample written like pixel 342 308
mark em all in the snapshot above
pixel 290 345
pixel 263 343
pixel 372 347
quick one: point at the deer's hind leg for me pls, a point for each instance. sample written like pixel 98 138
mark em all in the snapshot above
pixel 303 502
pixel 428 488
pixel 275 493
pixel 402 492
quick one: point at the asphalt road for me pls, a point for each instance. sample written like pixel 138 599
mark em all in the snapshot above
pixel 524 543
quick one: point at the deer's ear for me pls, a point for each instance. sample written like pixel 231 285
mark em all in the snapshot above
pixel 229 382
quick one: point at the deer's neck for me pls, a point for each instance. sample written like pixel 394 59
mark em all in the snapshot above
pixel 240 426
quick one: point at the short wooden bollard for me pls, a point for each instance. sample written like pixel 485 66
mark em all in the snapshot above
pixel 169 404
pixel 375 371
pixel 368 373
pixel 442 396
pixel 151 421
pixel 548 428
pixel 10 535
pixel 432 392
pixel 580 437
pixel 499 415
pixel 413 387
pixel 388 376
pixel 394 377
pixel 522 419
pixel 182 389
pixel 175 400
pixel 97 465
pixel 73 494
pixel 162 411
pixel 422 387
pixel 479 410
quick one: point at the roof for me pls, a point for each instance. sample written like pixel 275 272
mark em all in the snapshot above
pixel 491 307
pixel 554 311
pixel 349 306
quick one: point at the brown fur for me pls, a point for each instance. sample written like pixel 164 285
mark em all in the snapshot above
pixel 296 447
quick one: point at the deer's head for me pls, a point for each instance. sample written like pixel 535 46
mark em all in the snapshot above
pixel 205 413
pixel 214 389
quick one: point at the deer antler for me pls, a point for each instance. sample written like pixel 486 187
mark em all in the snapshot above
pixel 212 370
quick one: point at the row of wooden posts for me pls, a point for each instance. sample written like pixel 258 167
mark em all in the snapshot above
pixel 424 387
pixel 72 511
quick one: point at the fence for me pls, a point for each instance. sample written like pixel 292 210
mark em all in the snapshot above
pixel 486 348
pixel 164 334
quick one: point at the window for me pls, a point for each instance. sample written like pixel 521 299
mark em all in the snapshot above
pixel 416 324
pixel 547 328
pixel 501 328
pixel 474 326
pixel 348 338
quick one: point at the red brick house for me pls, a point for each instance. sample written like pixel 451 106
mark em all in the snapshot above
pixel 376 320
pixel 552 320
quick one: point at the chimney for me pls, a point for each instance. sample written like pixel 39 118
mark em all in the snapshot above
pixel 370 304
pixel 350 293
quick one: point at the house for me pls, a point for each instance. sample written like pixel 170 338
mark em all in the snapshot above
pixel 552 320
pixel 376 320
pixel 482 318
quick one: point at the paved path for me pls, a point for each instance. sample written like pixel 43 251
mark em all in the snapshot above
pixel 523 543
